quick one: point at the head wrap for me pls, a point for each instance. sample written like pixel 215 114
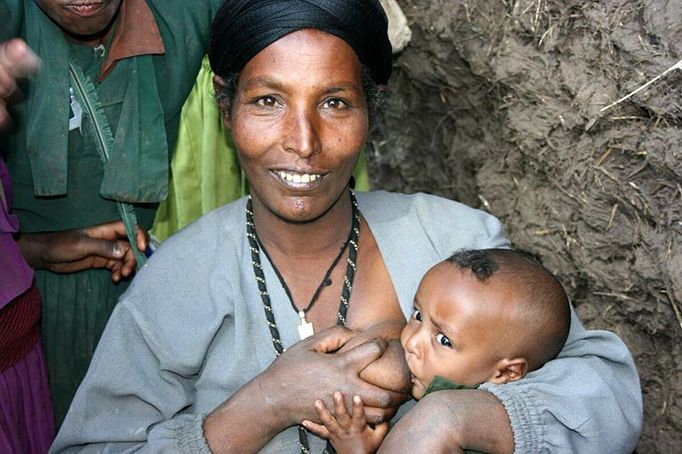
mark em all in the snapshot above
pixel 242 28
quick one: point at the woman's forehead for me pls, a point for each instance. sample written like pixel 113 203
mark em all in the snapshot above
pixel 306 54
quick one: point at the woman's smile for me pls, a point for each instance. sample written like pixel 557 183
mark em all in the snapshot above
pixel 299 181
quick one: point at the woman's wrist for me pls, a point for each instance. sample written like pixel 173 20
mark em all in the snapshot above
pixel 230 427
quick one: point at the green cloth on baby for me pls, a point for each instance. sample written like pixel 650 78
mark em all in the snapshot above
pixel 441 384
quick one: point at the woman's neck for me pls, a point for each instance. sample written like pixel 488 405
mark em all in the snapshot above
pixel 304 238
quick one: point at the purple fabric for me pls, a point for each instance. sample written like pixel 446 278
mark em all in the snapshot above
pixel 26 421
pixel 15 274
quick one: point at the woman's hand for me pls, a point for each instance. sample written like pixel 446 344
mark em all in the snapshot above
pixel 16 61
pixel 100 246
pixel 390 371
pixel 457 420
pixel 308 372
pixel 285 393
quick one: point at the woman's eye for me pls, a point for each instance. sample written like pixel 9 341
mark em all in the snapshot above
pixel 443 340
pixel 267 101
pixel 335 104
pixel 417 315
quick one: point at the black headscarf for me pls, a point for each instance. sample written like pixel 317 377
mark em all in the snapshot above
pixel 242 28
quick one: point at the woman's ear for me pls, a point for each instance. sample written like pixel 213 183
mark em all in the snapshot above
pixel 508 370
pixel 223 105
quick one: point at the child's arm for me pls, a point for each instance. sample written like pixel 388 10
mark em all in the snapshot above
pixel 348 434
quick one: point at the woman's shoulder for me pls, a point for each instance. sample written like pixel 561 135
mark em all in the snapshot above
pixel 445 222
pixel 224 222
pixel 199 249
pixel 181 279
pixel 394 204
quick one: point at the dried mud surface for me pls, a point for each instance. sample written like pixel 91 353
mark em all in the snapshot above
pixel 498 104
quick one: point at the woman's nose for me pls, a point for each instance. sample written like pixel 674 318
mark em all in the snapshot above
pixel 302 135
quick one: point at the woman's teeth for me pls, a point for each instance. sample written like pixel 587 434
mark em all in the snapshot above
pixel 298 177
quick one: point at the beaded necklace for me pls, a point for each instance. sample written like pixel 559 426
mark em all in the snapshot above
pixel 305 328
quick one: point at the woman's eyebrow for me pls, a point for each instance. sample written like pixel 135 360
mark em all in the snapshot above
pixel 336 88
pixel 263 81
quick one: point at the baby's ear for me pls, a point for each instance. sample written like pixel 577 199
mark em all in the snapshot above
pixel 509 369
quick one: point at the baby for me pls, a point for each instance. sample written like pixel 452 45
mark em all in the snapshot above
pixel 489 315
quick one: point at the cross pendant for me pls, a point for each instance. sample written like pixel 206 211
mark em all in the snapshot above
pixel 305 329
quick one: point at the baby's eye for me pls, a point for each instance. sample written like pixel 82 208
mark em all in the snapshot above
pixel 417 315
pixel 443 340
pixel 335 103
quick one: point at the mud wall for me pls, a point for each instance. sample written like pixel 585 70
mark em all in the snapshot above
pixel 499 104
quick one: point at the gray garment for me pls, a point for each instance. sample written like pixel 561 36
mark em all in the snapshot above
pixel 190 331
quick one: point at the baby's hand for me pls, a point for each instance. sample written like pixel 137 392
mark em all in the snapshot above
pixel 349 434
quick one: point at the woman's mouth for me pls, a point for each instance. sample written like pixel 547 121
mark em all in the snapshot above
pixel 298 180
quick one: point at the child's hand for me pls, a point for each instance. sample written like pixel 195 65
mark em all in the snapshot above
pixel 349 434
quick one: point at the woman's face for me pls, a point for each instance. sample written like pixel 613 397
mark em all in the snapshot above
pixel 299 121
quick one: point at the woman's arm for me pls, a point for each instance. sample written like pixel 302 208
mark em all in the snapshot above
pixel 131 397
pixel 586 400
pixel 285 393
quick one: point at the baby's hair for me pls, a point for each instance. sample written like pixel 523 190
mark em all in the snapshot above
pixel 543 301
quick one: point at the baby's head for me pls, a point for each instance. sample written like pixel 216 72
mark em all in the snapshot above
pixel 484 315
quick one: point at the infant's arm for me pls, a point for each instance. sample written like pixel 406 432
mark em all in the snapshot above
pixel 348 434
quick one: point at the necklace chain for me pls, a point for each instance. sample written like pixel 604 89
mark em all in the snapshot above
pixel 255 246
pixel 323 283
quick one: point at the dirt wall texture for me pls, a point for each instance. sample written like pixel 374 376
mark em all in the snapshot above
pixel 498 103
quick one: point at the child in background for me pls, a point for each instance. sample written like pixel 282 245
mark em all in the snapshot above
pixel 489 315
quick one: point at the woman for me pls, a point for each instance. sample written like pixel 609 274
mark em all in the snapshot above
pixel 202 351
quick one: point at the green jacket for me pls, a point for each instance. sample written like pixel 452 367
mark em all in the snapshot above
pixel 59 179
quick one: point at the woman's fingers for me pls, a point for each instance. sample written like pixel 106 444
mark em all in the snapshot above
pixel 330 340
pixel 364 354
